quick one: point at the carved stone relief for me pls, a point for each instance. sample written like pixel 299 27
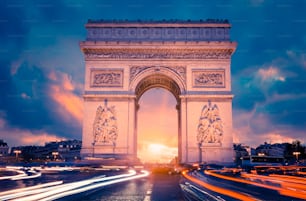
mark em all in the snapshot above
pixel 210 127
pixel 105 130
pixel 137 53
pixel 208 78
pixel 106 78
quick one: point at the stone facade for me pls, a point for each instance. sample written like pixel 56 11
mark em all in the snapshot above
pixel 191 59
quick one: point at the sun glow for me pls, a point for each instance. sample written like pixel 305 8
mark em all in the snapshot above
pixel 157 153
pixel 156 148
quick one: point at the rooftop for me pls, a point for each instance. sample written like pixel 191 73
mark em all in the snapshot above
pixel 167 21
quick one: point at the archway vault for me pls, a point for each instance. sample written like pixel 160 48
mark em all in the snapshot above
pixel 172 78
pixel 155 81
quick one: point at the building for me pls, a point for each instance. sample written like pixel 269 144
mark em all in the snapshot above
pixel 190 59
pixel 4 148
pixel 63 150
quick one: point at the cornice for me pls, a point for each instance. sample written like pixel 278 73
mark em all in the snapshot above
pixel 158 23
pixel 157 53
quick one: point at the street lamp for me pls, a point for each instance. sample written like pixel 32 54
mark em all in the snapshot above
pixel 55 154
pixel 261 154
pixel 296 153
pixel 17 152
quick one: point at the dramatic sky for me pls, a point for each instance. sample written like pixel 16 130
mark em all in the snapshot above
pixel 42 67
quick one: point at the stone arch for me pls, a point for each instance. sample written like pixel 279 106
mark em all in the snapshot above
pixel 157 80
pixel 120 68
pixel 170 78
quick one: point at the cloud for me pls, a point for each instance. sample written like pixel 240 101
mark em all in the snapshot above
pixel 62 92
pixel 278 115
pixel 39 102
pixel 270 74
pixel 254 128
pixel 299 59
pixel 23 137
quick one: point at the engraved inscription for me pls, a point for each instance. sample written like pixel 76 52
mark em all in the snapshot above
pixel 208 78
pixel 107 78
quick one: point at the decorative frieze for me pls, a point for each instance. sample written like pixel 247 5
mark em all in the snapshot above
pixel 179 70
pixel 106 78
pixel 158 33
pixel 208 78
pixel 160 53
pixel 210 127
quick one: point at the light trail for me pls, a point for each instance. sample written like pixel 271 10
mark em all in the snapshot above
pixel 14 191
pixel 63 190
pixel 19 175
pixel 91 187
pixel 22 174
pixel 57 168
pixel 284 187
pixel 217 189
pixel 210 196
pixel 64 186
pixel 212 173
pixel 35 175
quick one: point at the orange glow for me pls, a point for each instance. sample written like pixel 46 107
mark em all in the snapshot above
pixel 156 148
pixel 157 134
pixel 289 186
pixel 216 189
pixel 31 139
pixel 63 95
pixel 69 102
pixel 156 153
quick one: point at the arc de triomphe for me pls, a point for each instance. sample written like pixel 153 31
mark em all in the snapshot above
pixel 191 59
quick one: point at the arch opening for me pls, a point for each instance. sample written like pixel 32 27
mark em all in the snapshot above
pixel 158 119
pixel 157 140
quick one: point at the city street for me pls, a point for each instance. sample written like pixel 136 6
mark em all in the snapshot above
pixel 92 184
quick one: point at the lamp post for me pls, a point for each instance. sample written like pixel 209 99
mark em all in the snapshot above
pixel 17 152
pixel 296 153
pixel 54 154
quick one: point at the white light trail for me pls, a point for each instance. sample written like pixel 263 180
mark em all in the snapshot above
pixel 29 188
pixel 91 187
pixel 46 192
pixel 35 175
pixel 19 175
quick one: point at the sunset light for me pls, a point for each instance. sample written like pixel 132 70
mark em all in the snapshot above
pixel 157 141
pixel 157 149
pixel 157 153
